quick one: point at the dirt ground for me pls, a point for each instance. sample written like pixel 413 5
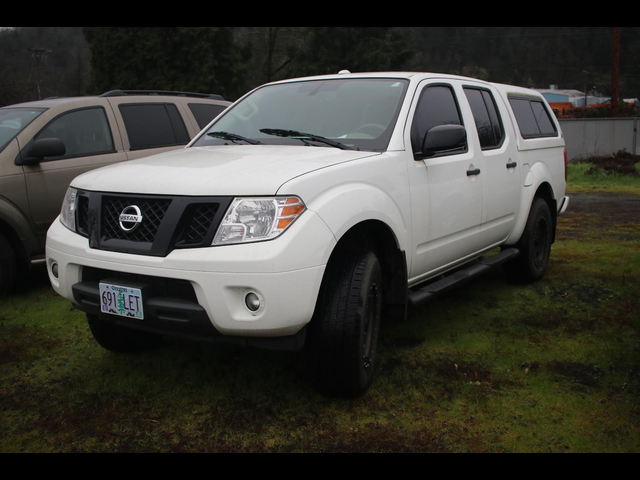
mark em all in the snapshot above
pixel 604 213
pixel 623 163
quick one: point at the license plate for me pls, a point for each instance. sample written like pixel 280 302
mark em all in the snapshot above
pixel 121 301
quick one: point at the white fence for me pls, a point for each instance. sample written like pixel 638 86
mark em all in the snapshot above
pixel 601 136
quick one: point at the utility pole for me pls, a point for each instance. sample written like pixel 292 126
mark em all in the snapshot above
pixel 38 54
pixel 615 76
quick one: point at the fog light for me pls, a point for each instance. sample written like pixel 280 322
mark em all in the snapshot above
pixel 253 302
pixel 54 270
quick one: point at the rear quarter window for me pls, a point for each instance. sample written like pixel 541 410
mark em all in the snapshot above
pixel 154 125
pixel 533 118
pixel 205 113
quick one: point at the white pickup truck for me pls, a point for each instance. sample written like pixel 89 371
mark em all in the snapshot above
pixel 312 210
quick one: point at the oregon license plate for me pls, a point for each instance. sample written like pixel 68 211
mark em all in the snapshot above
pixel 121 301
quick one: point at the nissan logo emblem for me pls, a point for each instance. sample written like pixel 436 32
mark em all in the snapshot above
pixel 130 218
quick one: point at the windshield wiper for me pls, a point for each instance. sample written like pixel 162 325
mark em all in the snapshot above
pixel 305 136
pixel 233 137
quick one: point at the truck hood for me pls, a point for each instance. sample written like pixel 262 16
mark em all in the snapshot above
pixel 215 171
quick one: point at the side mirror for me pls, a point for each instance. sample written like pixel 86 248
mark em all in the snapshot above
pixel 444 138
pixel 41 149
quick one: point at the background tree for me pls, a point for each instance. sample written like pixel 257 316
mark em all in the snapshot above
pixel 63 63
pixel 197 59
pixel 233 60
pixel 327 50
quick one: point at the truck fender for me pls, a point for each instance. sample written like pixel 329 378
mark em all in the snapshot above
pixel 537 181
pixel 366 203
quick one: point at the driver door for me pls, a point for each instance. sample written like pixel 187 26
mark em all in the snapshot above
pixel 446 188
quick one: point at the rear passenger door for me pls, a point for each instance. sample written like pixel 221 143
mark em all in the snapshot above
pixel 149 127
pixel 495 141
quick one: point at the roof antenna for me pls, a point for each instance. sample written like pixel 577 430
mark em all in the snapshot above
pixel 344 72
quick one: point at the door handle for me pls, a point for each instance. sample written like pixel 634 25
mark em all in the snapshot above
pixel 473 173
pixel 512 165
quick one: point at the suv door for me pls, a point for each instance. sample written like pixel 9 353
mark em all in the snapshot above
pixel 446 191
pixel 88 137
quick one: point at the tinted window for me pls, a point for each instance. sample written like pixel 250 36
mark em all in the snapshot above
pixel 84 132
pixel 154 125
pixel 13 121
pixel 486 117
pixel 496 121
pixel 542 117
pixel 205 113
pixel 533 118
pixel 437 106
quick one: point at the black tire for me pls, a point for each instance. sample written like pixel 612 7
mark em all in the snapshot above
pixel 345 331
pixel 118 339
pixel 8 266
pixel 534 246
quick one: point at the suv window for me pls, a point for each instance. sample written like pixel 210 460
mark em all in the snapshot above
pixel 205 113
pixel 487 119
pixel 13 121
pixel 154 125
pixel 533 118
pixel 84 133
pixel 437 106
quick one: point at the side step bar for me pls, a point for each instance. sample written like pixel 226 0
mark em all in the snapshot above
pixel 434 290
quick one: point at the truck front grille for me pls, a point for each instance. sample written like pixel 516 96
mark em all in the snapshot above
pixel 167 223
pixel 153 212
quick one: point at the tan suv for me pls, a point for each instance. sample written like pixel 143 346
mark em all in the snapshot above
pixel 44 145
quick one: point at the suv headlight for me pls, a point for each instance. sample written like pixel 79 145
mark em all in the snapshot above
pixel 258 219
pixel 68 213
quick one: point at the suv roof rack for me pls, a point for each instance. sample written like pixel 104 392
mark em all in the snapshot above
pixel 124 93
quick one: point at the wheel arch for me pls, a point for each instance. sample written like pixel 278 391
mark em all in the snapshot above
pixel 543 190
pixel 17 243
pixel 378 237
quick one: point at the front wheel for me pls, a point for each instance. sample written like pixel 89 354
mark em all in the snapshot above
pixel 534 246
pixel 8 266
pixel 345 333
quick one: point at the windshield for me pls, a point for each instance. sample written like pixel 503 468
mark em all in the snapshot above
pixel 13 121
pixel 348 114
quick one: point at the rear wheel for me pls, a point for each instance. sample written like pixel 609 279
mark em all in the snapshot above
pixel 119 339
pixel 345 333
pixel 8 266
pixel 535 246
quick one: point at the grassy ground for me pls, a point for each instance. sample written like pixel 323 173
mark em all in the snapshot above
pixel 493 367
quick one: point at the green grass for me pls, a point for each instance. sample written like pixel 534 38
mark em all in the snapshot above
pixel 581 182
pixel 492 367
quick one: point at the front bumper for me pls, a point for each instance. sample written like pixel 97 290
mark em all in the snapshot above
pixel 285 273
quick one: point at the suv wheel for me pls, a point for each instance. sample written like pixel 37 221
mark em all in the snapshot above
pixel 535 246
pixel 8 266
pixel 345 333
pixel 121 340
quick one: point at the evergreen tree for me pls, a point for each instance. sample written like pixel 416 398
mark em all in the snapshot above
pixel 197 59
pixel 328 50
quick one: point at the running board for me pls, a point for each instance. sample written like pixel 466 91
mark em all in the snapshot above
pixel 434 290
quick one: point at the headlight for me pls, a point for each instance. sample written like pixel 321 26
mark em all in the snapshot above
pixel 258 219
pixel 68 213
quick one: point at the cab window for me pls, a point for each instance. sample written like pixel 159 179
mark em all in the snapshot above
pixel 437 106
